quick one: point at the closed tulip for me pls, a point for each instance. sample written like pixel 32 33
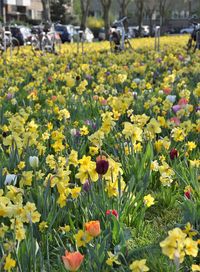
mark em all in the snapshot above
pixel 93 228
pixel 72 260
pixel 34 161
pixel 173 154
pixel 102 165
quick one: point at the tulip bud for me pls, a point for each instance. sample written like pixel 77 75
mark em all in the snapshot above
pixel 187 194
pixel 173 154
pixel 114 212
pixel 86 186
pixel 34 161
pixel 101 165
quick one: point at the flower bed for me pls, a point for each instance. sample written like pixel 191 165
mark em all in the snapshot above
pixel 99 164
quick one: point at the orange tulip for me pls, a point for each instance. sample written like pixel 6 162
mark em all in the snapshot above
pixel 93 228
pixel 72 260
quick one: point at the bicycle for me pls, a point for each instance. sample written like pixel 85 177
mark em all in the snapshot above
pixel 44 40
pixel 7 41
pixel 194 40
pixel 119 41
pixel 51 42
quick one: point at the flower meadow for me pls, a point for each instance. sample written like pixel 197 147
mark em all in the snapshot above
pixel 99 159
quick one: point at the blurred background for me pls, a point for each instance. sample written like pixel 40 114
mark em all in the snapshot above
pixel 96 16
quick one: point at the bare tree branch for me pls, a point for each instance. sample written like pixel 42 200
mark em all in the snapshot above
pixel 123 7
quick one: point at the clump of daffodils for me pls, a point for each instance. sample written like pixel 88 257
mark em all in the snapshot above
pixel 177 245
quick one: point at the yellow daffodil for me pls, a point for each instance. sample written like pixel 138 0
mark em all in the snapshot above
pixel 195 267
pixel 10 263
pixel 112 259
pixel 148 200
pixel 139 266
pixel 82 238
pixel 65 229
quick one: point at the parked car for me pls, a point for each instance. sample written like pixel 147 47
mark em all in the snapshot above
pixel 63 32
pixel 102 34
pixel 88 34
pixel 70 29
pixel 144 31
pixel 187 30
pixel 172 30
pixel 132 32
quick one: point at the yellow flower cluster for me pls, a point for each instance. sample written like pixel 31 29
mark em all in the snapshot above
pixel 177 245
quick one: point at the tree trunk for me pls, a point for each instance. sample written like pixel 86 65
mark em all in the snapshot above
pixel 149 13
pixel 46 10
pixel 123 11
pixel 162 14
pixel 150 25
pixel 140 16
pixel 84 15
pixel 190 7
pixel 106 4
pixel 106 21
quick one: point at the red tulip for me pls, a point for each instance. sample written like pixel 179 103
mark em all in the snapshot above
pixel 114 212
pixel 187 194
